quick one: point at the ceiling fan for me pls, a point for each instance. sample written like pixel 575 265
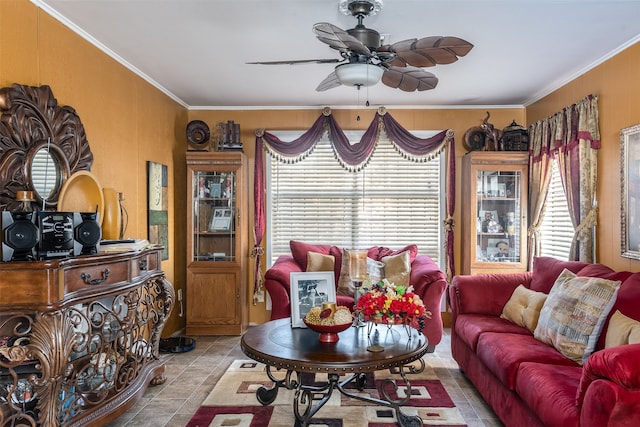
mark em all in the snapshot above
pixel 365 60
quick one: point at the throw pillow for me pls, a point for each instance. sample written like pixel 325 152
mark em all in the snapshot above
pixel 319 262
pixel 622 330
pixel 523 308
pixel 375 271
pixel 574 313
pixel 397 268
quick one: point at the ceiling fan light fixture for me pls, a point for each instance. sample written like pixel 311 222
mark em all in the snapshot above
pixel 359 74
pixel 356 7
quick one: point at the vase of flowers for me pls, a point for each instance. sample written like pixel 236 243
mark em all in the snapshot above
pixel 391 304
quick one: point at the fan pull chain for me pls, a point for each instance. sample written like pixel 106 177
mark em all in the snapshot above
pixel 358 104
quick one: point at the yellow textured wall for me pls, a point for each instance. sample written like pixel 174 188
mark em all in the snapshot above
pixel 618 88
pixel 127 121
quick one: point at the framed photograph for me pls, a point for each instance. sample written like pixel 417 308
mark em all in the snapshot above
pixel 490 223
pixel 498 249
pixel 630 197
pixel 309 290
pixel 220 220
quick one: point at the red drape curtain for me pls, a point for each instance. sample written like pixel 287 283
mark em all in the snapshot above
pixel 352 157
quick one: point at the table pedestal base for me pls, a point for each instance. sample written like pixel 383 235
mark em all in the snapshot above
pixel 305 395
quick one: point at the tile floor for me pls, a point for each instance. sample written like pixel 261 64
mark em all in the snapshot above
pixel 192 375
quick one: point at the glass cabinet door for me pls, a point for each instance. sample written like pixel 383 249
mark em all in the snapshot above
pixel 494 211
pixel 213 215
pixel 498 216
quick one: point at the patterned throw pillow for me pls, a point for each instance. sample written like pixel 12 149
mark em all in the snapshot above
pixel 574 313
pixel 523 308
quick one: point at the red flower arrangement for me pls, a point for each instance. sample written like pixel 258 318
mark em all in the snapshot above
pixel 392 304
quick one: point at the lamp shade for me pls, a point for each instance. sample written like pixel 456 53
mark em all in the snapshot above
pixel 357 74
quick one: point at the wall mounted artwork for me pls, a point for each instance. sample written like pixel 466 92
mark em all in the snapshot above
pixel 158 206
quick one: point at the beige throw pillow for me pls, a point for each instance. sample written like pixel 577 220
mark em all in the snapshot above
pixel 523 308
pixel 319 262
pixel 622 330
pixel 397 268
pixel 574 313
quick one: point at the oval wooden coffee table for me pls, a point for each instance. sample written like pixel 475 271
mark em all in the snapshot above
pixel 298 350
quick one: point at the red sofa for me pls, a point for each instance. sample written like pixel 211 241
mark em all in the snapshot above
pixel 529 383
pixel 428 281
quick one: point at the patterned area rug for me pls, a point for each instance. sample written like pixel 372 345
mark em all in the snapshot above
pixel 233 401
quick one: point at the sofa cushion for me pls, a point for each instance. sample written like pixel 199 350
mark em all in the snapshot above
pixel 320 262
pixel 502 354
pixel 397 268
pixel 523 308
pixel 574 313
pixel 546 270
pixel 469 327
pixel 539 385
pixel 622 330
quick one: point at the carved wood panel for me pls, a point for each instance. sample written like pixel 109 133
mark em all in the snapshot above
pixel 32 120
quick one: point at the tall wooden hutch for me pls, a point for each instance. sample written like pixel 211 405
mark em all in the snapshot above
pixel 494 211
pixel 217 243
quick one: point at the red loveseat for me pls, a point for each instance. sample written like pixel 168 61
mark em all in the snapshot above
pixel 428 282
pixel 530 383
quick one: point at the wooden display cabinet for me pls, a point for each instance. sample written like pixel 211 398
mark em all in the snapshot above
pixel 494 211
pixel 217 243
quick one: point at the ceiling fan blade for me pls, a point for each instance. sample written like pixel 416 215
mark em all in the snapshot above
pixel 339 39
pixel 298 61
pixel 409 79
pixel 427 51
pixel 329 82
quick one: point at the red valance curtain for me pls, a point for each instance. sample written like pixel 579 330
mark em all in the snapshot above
pixel 352 157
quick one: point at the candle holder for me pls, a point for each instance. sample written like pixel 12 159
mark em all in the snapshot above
pixel 357 273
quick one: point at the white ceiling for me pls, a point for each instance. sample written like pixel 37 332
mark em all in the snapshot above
pixel 196 50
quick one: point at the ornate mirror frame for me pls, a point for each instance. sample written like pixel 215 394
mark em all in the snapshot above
pixel 31 121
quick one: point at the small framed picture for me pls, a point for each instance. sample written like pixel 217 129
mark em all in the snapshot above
pixel 220 220
pixel 216 189
pixel 498 249
pixel 310 290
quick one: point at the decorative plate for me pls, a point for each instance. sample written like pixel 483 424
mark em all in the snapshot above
pixel 198 132
pixel 474 138
pixel 81 192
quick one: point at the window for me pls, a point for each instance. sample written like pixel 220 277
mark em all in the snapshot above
pixel 556 231
pixel 391 202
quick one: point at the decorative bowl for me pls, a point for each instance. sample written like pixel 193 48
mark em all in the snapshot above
pixel 328 333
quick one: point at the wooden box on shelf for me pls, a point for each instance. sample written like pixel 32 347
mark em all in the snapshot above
pixel 217 243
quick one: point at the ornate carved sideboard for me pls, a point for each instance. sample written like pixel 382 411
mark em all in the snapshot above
pixel 79 337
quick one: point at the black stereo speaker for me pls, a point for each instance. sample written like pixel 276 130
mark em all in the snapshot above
pixel 86 233
pixel 19 236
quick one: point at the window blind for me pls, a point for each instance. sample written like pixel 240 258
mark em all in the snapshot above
pixel 556 231
pixel 392 202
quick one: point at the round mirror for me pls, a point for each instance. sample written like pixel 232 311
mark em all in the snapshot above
pixel 44 173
